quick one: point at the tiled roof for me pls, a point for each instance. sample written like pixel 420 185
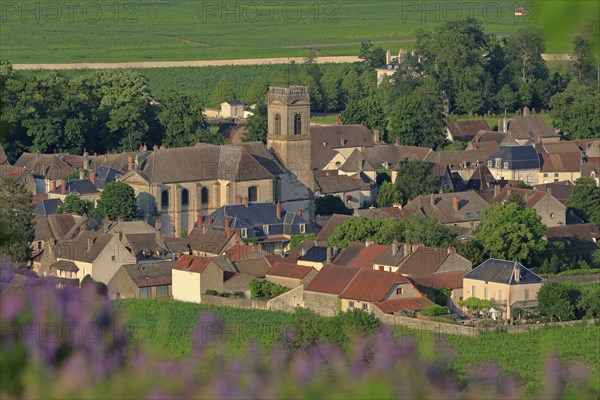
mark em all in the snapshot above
pixel 442 280
pixel 240 252
pixel 466 130
pixel 332 223
pixel 334 183
pixel 561 162
pixel 380 212
pixel 142 242
pixel 64 265
pixel 321 155
pixel 42 228
pixel 175 245
pixel 79 249
pixel 388 259
pixel 50 166
pixel 193 263
pixel 481 179
pixel 531 196
pixel 502 271
pixel 10 171
pixel 61 224
pixel 371 285
pixel 83 186
pixel 441 207
pixel 346 255
pixel 397 305
pixel 560 190
pixel 150 274
pixel 339 136
pixel 424 261
pixel 331 279
pixel 367 256
pixel 456 157
pixel 530 127
pixel 587 232
pixel 209 241
pixel 287 270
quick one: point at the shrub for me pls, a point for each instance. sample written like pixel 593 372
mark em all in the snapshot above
pixel 265 289
pixel 434 310
pixel 473 303
pixel 212 292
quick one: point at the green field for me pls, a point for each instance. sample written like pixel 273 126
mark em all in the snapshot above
pixel 153 30
pixel 165 329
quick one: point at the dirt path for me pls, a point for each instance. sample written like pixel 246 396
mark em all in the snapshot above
pixel 169 64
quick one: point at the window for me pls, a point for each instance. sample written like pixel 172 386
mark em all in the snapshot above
pixel 297 124
pixel 302 228
pixel 204 195
pixel 505 165
pixel 365 307
pixel 381 268
pixel 485 293
pixel 351 304
pixel 185 198
pixel 556 174
pixel 145 292
pixel 252 193
pixel 266 229
pixel 113 258
pixel 277 124
pixel 399 291
pixel 162 291
pixel 338 164
pixel 499 295
pixel 473 292
pixel 164 199
pixel 551 215
pixel 528 179
pixel 545 175
pixel 489 163
pixel 526 294
pixel 39 245
pixel 498 161
pixel 244 232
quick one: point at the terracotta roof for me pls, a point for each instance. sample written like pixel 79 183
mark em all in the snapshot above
pixel 150 274
pixel 560 190
pixel 587 232
pixel 332 279
pixel 490 148
pixel 10 171
pixel 367 256
pixel 332 223
pixel 380 212
pixel 424 261
pixel 344 257
pixel 339 136
pixel 466 130
pixel 442 280
pixel 244 252
pixel 397 305
pixel 531 196
pixel 287 270
pixel 561 147
pixel 371 285
pixel 561 162
pixel 199 264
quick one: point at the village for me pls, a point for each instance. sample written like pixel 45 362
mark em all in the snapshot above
pixel 241 225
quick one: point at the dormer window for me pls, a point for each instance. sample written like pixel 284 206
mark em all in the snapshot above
pixel 498 162
pixel 489 163
pixel 244 232
pixel 302 228
pixel 505 164
pixel 266 229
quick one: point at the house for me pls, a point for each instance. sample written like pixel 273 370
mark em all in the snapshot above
pixel 515 163
pixel 417 259
pixel 346 255
pixel 457 209
pixel 103 175
pixel 395 306
pixel 343 138
pixel 348 189
pixel 324 158
pixel 47 207
pixel 192 276
pixel 506 283
pixel 367 256
pixel 548 207
pixel 232 109
pixel 465 131
pixel 560 162
pixel 461 163
pixel 560 190
pixel 330 226
pixel 481 180
pixel 526 129
pixel 372 286
pixel 83 188
pixel 142 281
pixel 248 260
pixel 290 275
pixel 207 241
pixel 20 175
pixel 321 294
pixel 46 168
pixel 580 241
pixel 452 280
pixel 48 230
pixel 311 254
pixel 266 222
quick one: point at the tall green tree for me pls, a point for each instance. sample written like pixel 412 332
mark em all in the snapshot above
pixel 509 232
pixel 331 83
pixel 223 91
pixel 356 229
pixel 257 91
pixel 181 116
pixel 16 217
pixel 575 111
pixel 117 201
pixel 388 194
pixel 73 204
pixel 428 231
pixel 554 300
pixel 586 62
pixel 256 125
pixel 585 200
pixel 330 204
pixel 373 57
pixel 416 178
pixel 366 111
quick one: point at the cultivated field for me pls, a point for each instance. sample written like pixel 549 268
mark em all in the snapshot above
pixel 170 326
pixel 153 30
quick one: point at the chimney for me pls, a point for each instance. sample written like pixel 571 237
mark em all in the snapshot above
pixel 526 111
pixel 81 175
pixel 496 189
pixel 369 242
pixel 517 272
pixel 299 212
pixel 208 220
pixel 388 57
pixel 129 163
pixel 246 201
pixel 432 198
pixel 145 148
pixel 455 203
pixel 93 176
pixel 394 248
pixel 278 210
pixel 86 161
pixel 199 219
pixel 407 249
pixel 329 254
pixel 63 187
pixel 505 124
pixel 227 228
pixel 450 250
pixel 90 244
pixel 303 251
pixel 159 234
pixel 53 185
pixel 338 120
pixel 376 135
pixel 397 140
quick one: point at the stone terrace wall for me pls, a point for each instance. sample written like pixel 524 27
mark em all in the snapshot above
pixel 234 302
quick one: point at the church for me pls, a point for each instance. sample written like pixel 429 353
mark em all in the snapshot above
pixel 174 185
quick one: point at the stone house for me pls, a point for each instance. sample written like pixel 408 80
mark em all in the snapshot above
pixel 322 293
pixel 142 281
pixel 526 129
pixel 465 131
pixel 515 163
pixel 452 280
pixel 290 275
pixel 20 175
pixel 552 211
pixel 560 162
pixel 192 276
pixel 348 189
pixel 462 209
pixel 232 109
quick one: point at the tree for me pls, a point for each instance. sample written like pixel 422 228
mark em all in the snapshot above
pixel 388 195
pixel 330 204
pixel 257 91
pixel 223 91
pixel 73 204
pixel 428 232
pixel 331 83
pixel 372 57
pixel 416 178
pixel 524 55
pixel 589 302
pixel 575 111
pixel 506 99
pixel 516 199
pixel 472 251
pixel 357 229
pixel 391 229
pixel 256 125
pixel 554 300
pixel 366 111
pixel 181 116
pixel 508 232
pixel 16 216
pixel 584 200
pixel 586 64
pixel 117 201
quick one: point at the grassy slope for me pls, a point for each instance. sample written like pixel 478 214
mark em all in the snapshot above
pixel 169 325
pixel 153 30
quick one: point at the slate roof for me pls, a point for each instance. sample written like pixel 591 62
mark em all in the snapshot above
pixel 287 270
pixel 481 180
pixel 332 223
pixel 43 231
pixel 502 271
pixel 340 136
pixel 150 274
pixel 443 280
pixel 47 206
pixel 587 232
pixel 410 303
pixel 470 205
pixel 201 163
pixel 331 279
pixel 234 102
pixel 466 130
pixel 333 183
pixel 106 175
pixel 64 265
pixel 371 285
pixel 321 155
pixel 530 127
pixel 199 264
pixel 80 186
pixel 518 157
pixel 313 252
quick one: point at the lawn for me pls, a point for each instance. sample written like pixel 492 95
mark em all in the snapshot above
pixel 170 324
pixel 157 30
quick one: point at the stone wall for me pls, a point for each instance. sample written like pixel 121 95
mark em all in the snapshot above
pixel 323 304
pixel 287 301
pixel 234 302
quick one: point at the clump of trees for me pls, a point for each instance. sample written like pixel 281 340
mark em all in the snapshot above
pixel 567 300
pixel 266 289
pixel 17 225
pixel 330 204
